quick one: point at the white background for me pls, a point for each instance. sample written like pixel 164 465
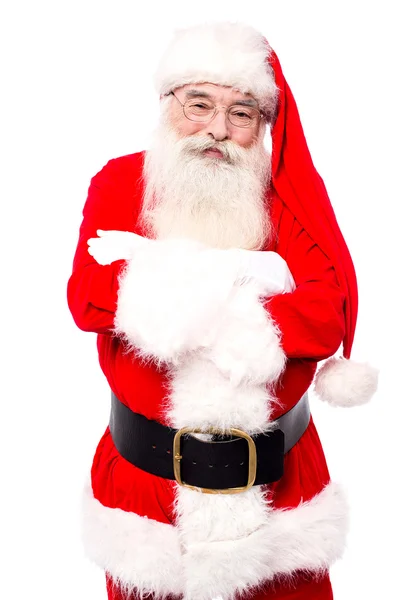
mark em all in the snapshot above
pixel 76 91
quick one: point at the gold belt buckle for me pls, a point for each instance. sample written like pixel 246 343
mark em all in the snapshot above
pixel 177 457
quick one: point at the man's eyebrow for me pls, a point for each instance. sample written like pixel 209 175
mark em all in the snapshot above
pixel 248 102
pixel 197 94
pixel 201 94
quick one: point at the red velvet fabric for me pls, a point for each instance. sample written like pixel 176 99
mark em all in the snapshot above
pixel 299 186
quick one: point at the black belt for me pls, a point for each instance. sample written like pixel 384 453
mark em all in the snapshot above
pixel 223 464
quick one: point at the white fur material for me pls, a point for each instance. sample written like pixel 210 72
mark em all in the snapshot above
pixel 141 554
pixel 170 295
pixel 177 295
pixel 201 397
pixel 343 382
pixel 247 347
pixel 234 543
pixel 217 550
pixel 230 54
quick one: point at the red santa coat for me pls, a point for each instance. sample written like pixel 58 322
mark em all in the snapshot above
pixel 209 546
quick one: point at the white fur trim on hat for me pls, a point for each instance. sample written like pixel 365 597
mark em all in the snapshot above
pixel 343 382
pixel 230 54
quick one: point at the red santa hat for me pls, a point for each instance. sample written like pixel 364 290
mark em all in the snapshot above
pixel 238 56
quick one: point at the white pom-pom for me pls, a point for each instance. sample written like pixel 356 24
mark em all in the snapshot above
pixel 344 382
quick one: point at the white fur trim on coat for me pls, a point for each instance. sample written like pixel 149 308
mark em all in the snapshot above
pixel 230 54
pixel 202 397
pixel 141 554
pixel 344 382
pixel 230 551
pixel 215 552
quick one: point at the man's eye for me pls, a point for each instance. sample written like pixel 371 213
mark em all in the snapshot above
pixel 242 114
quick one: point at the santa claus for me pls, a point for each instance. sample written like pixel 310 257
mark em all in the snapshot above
pixel 217 279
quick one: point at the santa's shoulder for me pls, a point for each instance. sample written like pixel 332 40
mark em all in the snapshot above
pixel 122 169
pixel 115 193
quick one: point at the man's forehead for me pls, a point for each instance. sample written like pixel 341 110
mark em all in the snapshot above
pixel 216 92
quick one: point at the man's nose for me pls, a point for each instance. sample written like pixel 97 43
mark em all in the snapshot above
pixel 218 127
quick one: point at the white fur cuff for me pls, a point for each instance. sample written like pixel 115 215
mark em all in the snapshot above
pixel 246 347
pixel 140 554
pixel 170 295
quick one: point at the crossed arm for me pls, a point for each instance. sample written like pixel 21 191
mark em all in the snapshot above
pixel 310 317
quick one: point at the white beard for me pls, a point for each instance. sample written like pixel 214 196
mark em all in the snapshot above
pixel 220 202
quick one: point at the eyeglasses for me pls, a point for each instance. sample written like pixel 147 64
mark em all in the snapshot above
pixel 203 111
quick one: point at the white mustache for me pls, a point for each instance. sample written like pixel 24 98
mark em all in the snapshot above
pixel 197 144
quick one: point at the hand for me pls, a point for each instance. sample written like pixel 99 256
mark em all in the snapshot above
pixel 269 269
pixel 114 245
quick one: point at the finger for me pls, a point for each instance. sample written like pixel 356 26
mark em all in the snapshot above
pixel 113 232
pixel 93 242
pixel 108 232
